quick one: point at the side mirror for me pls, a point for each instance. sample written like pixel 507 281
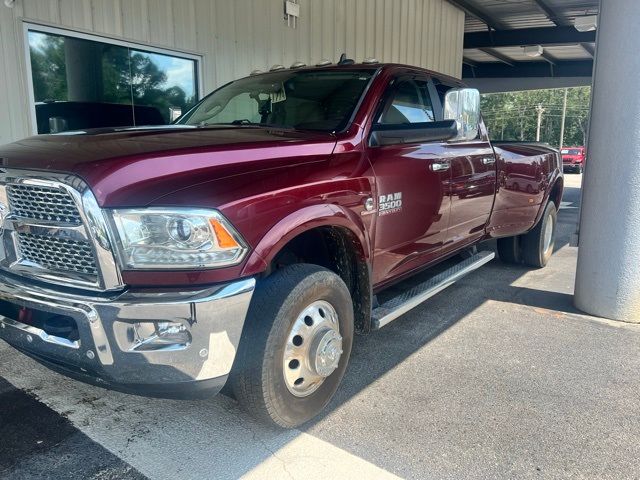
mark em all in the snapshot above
pixel 463 106
pixel 395 134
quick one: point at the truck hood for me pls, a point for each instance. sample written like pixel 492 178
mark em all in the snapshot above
pixel 134 166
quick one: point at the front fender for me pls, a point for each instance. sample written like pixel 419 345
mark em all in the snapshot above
pixel 307 218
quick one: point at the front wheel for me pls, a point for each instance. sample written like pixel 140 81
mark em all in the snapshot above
pixel 295 345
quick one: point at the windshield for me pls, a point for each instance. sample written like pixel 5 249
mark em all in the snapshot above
pixel 571 151
pixel 306 100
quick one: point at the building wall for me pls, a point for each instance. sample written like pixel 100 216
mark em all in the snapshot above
pixel 236 36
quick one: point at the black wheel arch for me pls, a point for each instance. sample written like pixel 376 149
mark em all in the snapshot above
pixel 338 249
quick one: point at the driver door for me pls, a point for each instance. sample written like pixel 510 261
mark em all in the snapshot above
pixel 412 182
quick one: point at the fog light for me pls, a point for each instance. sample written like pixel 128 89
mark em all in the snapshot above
pixel 148 336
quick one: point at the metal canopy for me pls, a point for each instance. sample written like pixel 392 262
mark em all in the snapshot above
pixel 497 30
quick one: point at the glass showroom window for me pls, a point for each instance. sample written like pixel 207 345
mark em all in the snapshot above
pixel 80 83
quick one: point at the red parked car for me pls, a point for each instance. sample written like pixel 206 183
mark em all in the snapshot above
pixel 573 158
pixel 249 242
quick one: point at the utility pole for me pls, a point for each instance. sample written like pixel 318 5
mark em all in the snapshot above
pixel 540 111
pixel 564 117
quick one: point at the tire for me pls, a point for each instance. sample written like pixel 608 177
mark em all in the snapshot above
pixel 509 249
pixel 258 379
pixel 536 246
pixel 579 169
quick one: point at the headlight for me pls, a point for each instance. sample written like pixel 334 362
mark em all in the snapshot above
pixel 176 238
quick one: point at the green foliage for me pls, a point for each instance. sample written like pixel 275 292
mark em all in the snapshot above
pixel 48 70
pixel 126 76
pixel 115 75
pixel 513 115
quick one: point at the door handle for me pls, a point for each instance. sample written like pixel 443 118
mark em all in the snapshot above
pixel 438 166
pixel 489 160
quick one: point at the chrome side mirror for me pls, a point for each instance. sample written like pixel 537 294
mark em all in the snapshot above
pixel 463 106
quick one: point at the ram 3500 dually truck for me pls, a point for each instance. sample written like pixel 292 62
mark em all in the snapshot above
pixel 249 241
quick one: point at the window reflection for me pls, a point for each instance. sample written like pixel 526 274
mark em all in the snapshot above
pixel 163 82
pixel 80 83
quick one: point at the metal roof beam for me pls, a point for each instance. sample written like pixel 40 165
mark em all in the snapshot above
pixel 468 61
pixel 569 68
pixel 589 49
pixel 549 58
pixel 472 10
pixel 551 13
pixel 549 36
pixel 498 56
pixel 470 64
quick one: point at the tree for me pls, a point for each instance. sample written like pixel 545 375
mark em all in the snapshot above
pixel 48 69
pixel 512 116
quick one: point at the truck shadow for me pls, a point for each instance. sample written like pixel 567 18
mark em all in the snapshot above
pixel 193 439
pixel 217 432
pixel 376 354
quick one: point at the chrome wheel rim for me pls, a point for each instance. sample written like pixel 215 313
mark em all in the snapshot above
pixel 313 349
pixel 548 234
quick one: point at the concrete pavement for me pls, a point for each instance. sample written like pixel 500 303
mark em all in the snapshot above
pixel 497 377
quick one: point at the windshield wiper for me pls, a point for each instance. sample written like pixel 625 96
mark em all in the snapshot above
pixel 242 121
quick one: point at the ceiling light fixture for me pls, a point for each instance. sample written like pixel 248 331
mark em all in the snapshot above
pixel 588 23
pixel 533 50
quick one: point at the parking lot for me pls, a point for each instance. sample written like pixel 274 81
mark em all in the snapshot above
pixel 498 376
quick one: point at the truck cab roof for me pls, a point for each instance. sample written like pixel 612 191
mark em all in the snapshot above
pixel 390 68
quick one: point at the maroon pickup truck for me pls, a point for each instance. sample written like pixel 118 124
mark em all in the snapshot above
pixel 248 242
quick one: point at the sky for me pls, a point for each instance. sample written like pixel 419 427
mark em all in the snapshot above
pixel 179 71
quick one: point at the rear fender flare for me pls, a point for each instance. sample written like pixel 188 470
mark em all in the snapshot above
pixel 557 177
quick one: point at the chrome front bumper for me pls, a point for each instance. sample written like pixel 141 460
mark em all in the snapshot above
pixel 106 352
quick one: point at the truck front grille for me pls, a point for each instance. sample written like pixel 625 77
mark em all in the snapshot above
pixel 58 254
pixel 43 203
pixel 52 230
pixel 49 236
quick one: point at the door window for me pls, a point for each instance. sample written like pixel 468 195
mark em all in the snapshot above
pixel 410 103
pixel 442 88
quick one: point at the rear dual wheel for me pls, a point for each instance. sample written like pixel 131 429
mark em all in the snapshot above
pixel 536 247
pixel 295 345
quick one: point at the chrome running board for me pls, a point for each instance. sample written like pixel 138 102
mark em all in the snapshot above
pixel 414 296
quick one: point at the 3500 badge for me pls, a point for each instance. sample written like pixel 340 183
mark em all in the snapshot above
pixel 391 203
